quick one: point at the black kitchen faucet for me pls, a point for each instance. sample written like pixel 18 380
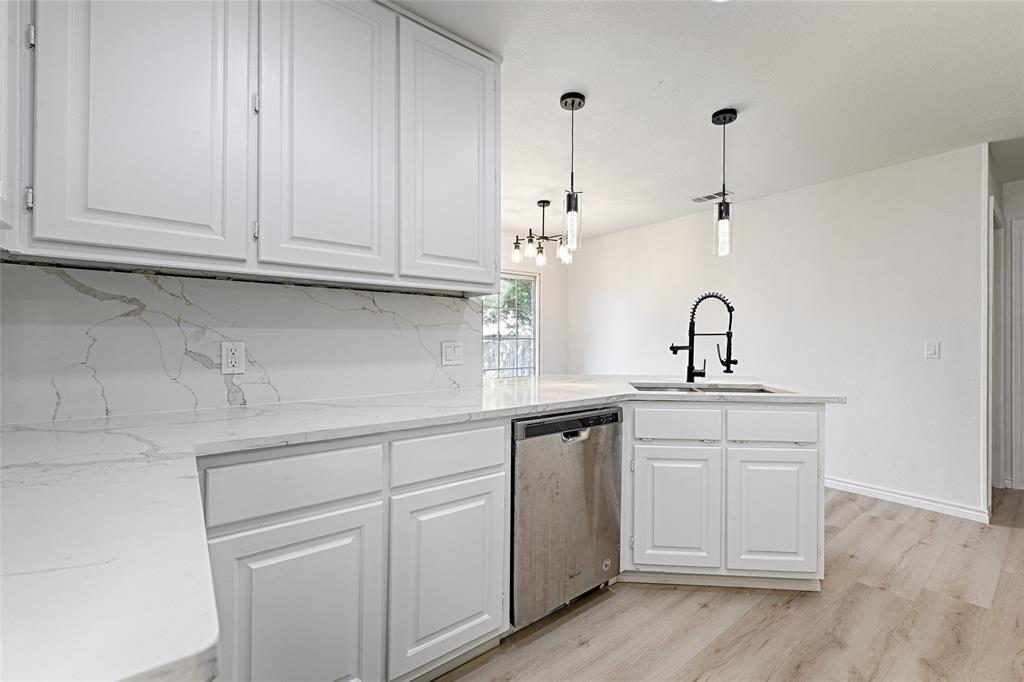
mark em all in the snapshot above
pixel 727 362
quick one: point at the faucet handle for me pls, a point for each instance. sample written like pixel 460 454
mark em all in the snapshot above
pixel 727 361
pixel 675 349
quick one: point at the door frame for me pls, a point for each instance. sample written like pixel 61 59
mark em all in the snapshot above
pixel 1016 352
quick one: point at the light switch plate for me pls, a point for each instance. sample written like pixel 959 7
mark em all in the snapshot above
pixel 451 353
pixel 232 357
pixel 932 350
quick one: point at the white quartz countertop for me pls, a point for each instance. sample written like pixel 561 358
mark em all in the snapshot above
pixel 103 561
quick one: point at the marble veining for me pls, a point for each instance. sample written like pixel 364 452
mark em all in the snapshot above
pixel 104 571
pixel 84 343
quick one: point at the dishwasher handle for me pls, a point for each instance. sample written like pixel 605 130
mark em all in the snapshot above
pixel 575 436
pixel 571 423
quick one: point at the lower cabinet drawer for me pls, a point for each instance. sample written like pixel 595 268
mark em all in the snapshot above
pixel 447 570
pixel 676 423
pixel 243 491
pixel 444 454
pixel 780 426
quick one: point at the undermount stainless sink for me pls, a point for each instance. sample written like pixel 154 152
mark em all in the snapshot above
pixel 702 388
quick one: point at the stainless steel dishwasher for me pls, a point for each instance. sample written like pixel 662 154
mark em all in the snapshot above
pixel 565 508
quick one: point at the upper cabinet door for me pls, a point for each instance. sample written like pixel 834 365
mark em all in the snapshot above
pixel 142 114
pixel 449 158
pixel 12 46
pixel 327 135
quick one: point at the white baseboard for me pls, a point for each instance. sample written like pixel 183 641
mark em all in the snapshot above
pixel 929 503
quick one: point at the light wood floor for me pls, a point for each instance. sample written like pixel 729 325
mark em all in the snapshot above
pixel 908 595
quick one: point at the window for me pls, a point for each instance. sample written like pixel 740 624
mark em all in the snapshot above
pixel 510 331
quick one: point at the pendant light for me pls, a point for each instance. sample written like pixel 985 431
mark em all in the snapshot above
pixel 517 253
pixel 572 102
pixel 722 245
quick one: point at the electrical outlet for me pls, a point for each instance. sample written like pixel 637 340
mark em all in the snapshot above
pixel 451 352
pixel 232 357
pixel 932 350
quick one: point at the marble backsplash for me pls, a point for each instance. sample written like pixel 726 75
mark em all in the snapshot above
pixel 84 343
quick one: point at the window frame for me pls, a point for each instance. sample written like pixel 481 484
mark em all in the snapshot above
pixel 535 277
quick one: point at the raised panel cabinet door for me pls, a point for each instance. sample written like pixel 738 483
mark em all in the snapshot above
pixel 142 115
pixel 678 505
pixel 302 600
pixel 446 569
pixel 448 209
pixel 773 509
pixel 327 135
pixel 13 50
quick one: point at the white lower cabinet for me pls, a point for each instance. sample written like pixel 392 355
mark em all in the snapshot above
pixel 302 600
pixel 446 569
pixel 733 491
pixel 678 505
pixel 772 509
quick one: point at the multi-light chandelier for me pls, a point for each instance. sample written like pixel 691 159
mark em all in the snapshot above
pixel 533 245
pixel 572 233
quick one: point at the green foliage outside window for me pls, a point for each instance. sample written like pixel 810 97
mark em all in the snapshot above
pixel 509 328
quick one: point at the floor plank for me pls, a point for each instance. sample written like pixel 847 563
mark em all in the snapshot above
pixel 970 565
pixel 908 595
pixel 905 564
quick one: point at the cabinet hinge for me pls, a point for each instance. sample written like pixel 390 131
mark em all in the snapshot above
pixel 30 36
pixel 255 230
pixel 632 465
pixel 30 198
pixel 631 542
pixel 255 104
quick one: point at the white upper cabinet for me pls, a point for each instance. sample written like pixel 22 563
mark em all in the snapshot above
pixel 12 45
pixel 327 135
pixel 142 125
pixel 449 158
pixel 318 140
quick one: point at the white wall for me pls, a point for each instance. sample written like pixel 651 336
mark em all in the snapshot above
pixel 82 343
pixel 1013 200
pixel 837 286
pixel 553 329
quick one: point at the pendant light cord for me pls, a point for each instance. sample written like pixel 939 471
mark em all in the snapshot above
pixel 572 150
pixel 723 162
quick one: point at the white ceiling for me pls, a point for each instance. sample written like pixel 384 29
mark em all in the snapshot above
pixel 824 90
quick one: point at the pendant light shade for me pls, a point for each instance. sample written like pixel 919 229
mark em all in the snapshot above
pixel 517 252
pixel 573 226
pixel 722 241
pixel 573 222
pixel 542 258
pixel 531 246
pixel 723 230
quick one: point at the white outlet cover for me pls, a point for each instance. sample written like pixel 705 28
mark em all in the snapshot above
pixel 932 350
pixel 232 357
pixel 451 353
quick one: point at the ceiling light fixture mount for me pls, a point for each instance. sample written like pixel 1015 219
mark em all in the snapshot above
pixel 722 214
